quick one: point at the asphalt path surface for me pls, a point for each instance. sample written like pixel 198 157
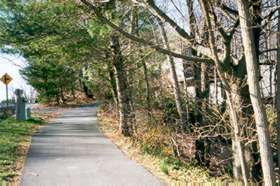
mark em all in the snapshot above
pixel 71 151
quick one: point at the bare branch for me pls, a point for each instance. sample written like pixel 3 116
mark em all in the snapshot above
pixel 161 14
pixel 140 40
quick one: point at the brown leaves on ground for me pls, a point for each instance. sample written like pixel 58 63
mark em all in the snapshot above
pixel 46 112
pixel 108 123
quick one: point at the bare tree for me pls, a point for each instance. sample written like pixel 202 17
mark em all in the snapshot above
pixel 278 87
pixel 230 99
pixel 176 87
pixel 255 94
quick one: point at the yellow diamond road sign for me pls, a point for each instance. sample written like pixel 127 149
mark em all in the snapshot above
pixel 6 79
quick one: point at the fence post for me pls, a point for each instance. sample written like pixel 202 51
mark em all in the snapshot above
pixel 20 106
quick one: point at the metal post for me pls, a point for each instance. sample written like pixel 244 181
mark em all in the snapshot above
pixel 7 96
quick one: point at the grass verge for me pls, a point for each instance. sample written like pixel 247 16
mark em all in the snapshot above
pixel 14 143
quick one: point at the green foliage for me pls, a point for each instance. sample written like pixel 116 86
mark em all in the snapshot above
pixel 148 149
pixel 58 40
pixel 50 79
pixel 164 167
pixel 170 111
pixel 55 42
pixel 171 163
pixel 12 133
pixel 98 30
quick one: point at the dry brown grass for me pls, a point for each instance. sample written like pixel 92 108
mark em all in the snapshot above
pixel 108 123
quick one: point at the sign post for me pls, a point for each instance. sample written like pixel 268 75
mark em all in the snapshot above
pixel 7 96
pixel 6 79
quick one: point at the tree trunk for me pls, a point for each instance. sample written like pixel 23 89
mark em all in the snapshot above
pixel 255 94
pixel 197 68
pixel 235 103
pixel 73 93
pixel 215 99
pixel 236 166
pixel 185 51
pixel 62 95
pixel 113 85
pixel 125 109
pixel 197 86
pixel 278 89
pixel 176 87
pixel 256 30
pixel 148 93
pixel 204 85
pixel 135 30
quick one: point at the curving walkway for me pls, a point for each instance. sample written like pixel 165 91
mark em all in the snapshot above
pixel 71 151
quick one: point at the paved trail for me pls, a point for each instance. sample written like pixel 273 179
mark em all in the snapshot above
pixel 72 152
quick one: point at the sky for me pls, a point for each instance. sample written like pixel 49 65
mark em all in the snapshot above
pixel 11 64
